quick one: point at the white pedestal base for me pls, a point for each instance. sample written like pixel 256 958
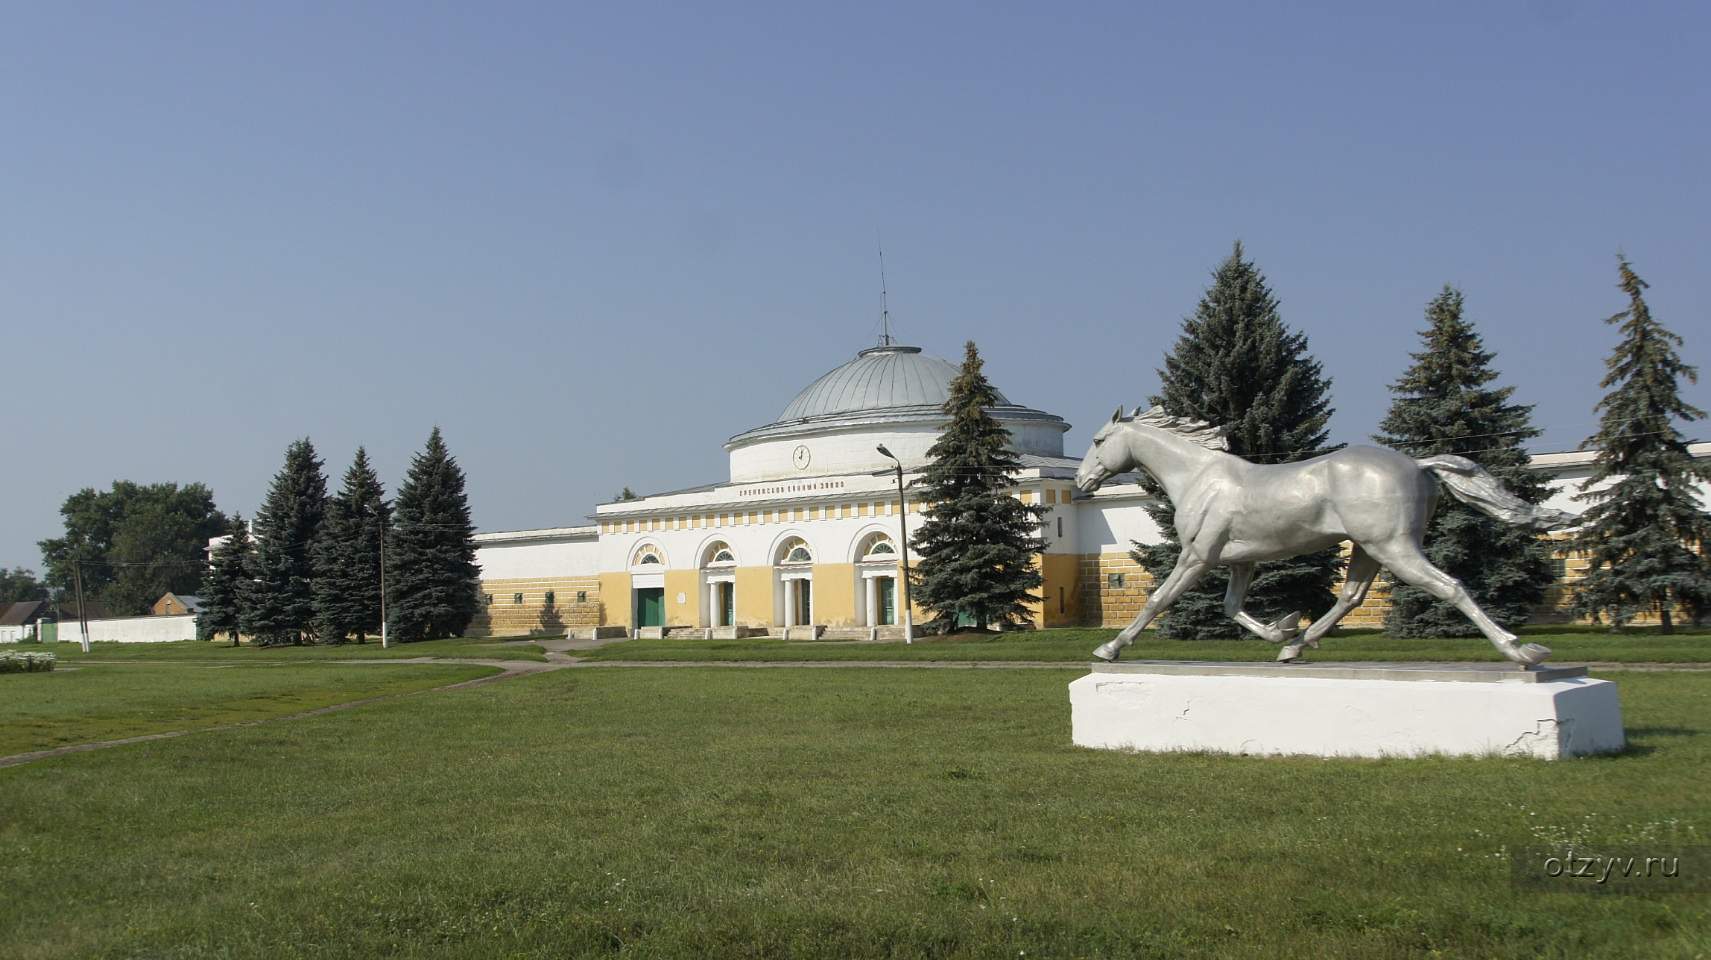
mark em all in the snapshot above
pixel 1346 710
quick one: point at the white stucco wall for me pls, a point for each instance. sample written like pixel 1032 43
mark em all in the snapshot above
pixel 132 630
pixel 522 559
pixel 1112 519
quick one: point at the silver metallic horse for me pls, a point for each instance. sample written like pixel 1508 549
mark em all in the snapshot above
pixel 1237 513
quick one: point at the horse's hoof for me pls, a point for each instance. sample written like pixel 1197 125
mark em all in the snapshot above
pixel 1531 653
pixel 1108 652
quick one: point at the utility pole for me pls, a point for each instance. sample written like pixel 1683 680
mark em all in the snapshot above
pixel 82 616
pixel 903 528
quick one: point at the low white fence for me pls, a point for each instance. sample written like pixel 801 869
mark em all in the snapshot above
pixel 131 630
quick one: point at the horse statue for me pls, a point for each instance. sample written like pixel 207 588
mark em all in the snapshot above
pixel 1233 512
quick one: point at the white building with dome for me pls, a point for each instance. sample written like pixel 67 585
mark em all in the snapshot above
pixel 803 538
pixel 804 535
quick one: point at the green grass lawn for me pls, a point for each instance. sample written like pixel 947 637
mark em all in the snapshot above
pixel 460 647
pixel 1076 646
pixel 39 711
pixel 825 813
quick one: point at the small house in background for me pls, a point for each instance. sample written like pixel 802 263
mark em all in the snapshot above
pixel 176 604
pixel 18 620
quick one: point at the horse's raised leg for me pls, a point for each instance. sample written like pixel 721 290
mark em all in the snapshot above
pixel 1283 629
pixel 1362 569
pixel 1185 574
pixel 1405 562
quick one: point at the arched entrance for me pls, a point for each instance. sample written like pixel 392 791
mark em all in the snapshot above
pixel 719 583
pixel 876 581
pixel 793 566
pixel 647 583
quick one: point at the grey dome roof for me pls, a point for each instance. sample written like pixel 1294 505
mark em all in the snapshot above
pixel 879 378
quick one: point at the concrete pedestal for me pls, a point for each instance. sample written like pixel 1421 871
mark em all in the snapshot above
pixel 1346 709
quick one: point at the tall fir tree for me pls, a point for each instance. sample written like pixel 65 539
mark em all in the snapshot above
pixel 1445 403
pixel 282 603
pixel 226 586
pixel 347 556
pixel 1237 365
pixel 1644 534
pixel 978 541
pixel 432 581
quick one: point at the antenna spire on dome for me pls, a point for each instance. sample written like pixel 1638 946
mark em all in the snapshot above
pixel 885 338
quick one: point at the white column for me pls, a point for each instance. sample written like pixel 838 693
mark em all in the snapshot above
pixel 872 601
pixel 789 603
pixel 712 605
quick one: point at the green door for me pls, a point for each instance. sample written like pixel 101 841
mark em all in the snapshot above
pixel 728 600
pixel 887 601
pixel 804 602
pixel 650 607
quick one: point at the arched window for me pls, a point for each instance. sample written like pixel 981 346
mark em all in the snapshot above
pixel 795 550
pixel 719 554
pixel 647 554
pixel 877 547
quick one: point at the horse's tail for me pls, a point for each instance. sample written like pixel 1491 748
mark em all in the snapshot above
pixel 1472 485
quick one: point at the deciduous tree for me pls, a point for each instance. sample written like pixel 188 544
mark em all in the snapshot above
pixel 134 542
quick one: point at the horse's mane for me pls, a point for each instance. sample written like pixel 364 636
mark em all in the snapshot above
pixel 1194 431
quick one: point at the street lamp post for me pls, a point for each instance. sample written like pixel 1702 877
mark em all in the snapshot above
pixel 903 528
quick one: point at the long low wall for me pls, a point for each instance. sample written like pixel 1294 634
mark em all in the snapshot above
pixel 132 630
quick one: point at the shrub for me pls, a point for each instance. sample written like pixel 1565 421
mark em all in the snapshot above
pixel 26 662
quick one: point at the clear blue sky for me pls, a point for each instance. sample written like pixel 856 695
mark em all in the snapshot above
pixel 594 242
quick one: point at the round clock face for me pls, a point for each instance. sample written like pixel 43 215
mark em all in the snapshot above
pixel 801 457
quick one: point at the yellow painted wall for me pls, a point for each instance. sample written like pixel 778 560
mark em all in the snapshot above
pixel 834 594
pixel 615 599
pixel 687 583
pixel 501 615
pixel 1061 571
pixel 754 596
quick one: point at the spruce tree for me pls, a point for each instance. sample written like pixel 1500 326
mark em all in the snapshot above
pixel 282 607
pixel 347 556
pixel 1237 365
pixel 1644 534
pixel 226 586
pixel 1445 403
pixel 432 581
pixel 978 542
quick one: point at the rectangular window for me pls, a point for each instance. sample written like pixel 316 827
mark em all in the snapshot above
pixel 1559 567
pixel 516 599
pixel 1114 581
pixel 487 599
pixel 582 596
pixel 1060 528
pixel 550 598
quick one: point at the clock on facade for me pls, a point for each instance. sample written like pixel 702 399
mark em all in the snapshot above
pixel 801 457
